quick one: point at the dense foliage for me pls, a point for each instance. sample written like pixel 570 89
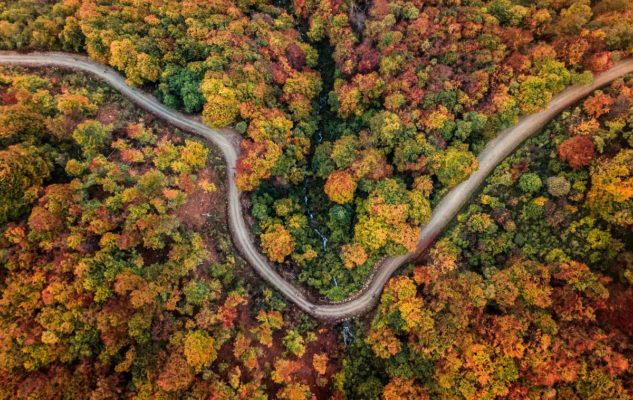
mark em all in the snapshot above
pixel 340 101
pixel 230 60
pixel 525 296
pixel 416 89
pixel 117 275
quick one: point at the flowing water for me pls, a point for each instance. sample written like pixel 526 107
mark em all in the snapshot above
pixel 346 331
pixel 306 201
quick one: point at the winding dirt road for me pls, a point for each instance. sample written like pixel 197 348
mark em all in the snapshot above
pixel 495 151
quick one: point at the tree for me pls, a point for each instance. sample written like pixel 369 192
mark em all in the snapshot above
pixel 530 183
pixel 221 107
pixel 572 19
pixel 273 126
pixel 256 163
pixel 180 87
pixel 19 122
pixel 71 37
pixel 598 104
pixel 199 349
pixel 268 322
pixel 220 112
pixel 578 151
pixel 319 362
pixel 277 243
pixel 386 126
pixel 295 391
pixel 453 165
pixel 340 187
pixel 284 370
pixel 611 194
pixel 533 94
pixel 139 67
pixel 294 343
pixel 92 137
pixel 23 170
pixel 193 157
pixel 176 374
pixel 419 207
pixel 344 151
pixel 353 255
pixel 75 105
pixel 558 186
pixel 401 389
pixel 507 13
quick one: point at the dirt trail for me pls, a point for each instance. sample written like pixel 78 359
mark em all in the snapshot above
pixel 494 152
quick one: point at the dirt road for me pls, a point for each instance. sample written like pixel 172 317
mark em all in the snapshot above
pixel 495 151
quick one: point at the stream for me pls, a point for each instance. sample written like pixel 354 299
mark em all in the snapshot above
pixel 313 225
pixel 348 334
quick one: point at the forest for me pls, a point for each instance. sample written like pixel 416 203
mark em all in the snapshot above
pixel 112 277
pixel 118 277
pixel 341 102
pixel 528 294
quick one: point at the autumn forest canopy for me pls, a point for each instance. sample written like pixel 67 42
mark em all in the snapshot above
pixel 118 277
